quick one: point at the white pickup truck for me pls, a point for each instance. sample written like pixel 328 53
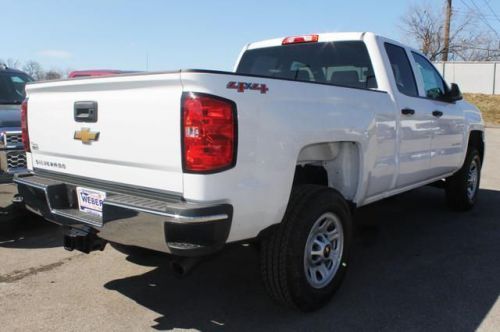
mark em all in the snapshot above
pixel 278 152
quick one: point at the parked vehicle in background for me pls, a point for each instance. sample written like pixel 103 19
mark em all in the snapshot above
pixel 12 94
pixel 278 152
pixel 96 73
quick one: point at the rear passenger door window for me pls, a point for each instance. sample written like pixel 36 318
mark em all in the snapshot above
pixel 434 86
pixel 401 69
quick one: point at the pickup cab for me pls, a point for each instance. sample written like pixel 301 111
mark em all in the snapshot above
pixel 279 152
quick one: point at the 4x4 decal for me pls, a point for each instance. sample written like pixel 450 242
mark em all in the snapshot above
pixel 242 86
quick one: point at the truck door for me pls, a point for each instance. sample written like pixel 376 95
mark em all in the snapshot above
pixel 447 142
pixel 415 121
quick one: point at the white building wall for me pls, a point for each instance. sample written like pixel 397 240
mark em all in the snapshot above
pixel 472 77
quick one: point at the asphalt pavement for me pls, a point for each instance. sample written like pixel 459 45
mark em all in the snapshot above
pixel 416 266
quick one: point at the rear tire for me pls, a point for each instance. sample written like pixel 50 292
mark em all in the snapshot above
pixel 462 187
pixel 304 259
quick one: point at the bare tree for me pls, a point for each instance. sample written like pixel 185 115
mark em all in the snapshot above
pixel 53 75
pixel 11 63
pixel 483 48
pixel 424 24
pixel 34 69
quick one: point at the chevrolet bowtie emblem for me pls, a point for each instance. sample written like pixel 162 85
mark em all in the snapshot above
pixel 86 136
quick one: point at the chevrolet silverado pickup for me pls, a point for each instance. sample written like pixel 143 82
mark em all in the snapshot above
pixel 278 152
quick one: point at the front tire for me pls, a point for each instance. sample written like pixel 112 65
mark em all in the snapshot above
pixel 462 187
pixel 304 260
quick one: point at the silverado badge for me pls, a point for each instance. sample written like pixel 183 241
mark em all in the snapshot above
pixel 86 136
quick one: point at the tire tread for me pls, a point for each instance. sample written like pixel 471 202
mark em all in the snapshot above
pixel 455 185
pixel 274 245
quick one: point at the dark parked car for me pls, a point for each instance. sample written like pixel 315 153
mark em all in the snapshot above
pixel 12 94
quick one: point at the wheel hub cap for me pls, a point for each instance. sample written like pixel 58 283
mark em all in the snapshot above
pixel 323 250
pixel 472 179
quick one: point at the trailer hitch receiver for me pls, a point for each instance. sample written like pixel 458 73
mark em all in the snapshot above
pixel 82 240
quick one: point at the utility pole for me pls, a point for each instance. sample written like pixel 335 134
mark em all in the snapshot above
pixel 447 23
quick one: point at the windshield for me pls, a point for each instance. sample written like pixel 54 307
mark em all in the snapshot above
pixel 344 63
pixel 12 87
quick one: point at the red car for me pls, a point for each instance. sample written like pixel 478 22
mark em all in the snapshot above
pixel 98 72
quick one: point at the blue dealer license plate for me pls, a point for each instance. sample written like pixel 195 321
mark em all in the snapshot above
pixel 90 200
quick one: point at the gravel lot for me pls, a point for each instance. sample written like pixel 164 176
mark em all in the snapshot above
pixel 416 266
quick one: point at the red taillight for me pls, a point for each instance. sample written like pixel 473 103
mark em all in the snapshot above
pixel 208 133
pixel 24 125
pixel 300 39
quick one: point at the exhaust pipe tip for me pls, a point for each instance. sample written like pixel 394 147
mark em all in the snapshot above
pixel 178 268
pixel 183 266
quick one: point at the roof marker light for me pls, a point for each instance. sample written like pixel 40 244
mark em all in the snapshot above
pixel 300 39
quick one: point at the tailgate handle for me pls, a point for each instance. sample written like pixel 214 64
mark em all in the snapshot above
pixel 85 111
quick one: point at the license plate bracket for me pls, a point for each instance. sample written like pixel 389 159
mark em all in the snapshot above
pixel 90 200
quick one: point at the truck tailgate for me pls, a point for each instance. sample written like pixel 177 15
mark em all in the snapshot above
pixel 135 139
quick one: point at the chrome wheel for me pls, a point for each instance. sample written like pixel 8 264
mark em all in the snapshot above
pixel 472 179
pixel 323 250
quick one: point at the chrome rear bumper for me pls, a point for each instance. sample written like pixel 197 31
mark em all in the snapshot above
pixel 167 225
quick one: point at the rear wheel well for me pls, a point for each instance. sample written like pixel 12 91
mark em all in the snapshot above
pixel 310 174
pixel 332 164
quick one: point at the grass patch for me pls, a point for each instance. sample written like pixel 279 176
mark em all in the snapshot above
pixel 488 104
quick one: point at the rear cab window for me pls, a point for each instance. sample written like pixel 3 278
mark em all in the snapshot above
pixel 342 63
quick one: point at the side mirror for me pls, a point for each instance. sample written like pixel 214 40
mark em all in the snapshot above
pixel 455 94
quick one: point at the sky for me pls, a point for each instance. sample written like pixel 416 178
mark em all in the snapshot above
pixel 167 35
